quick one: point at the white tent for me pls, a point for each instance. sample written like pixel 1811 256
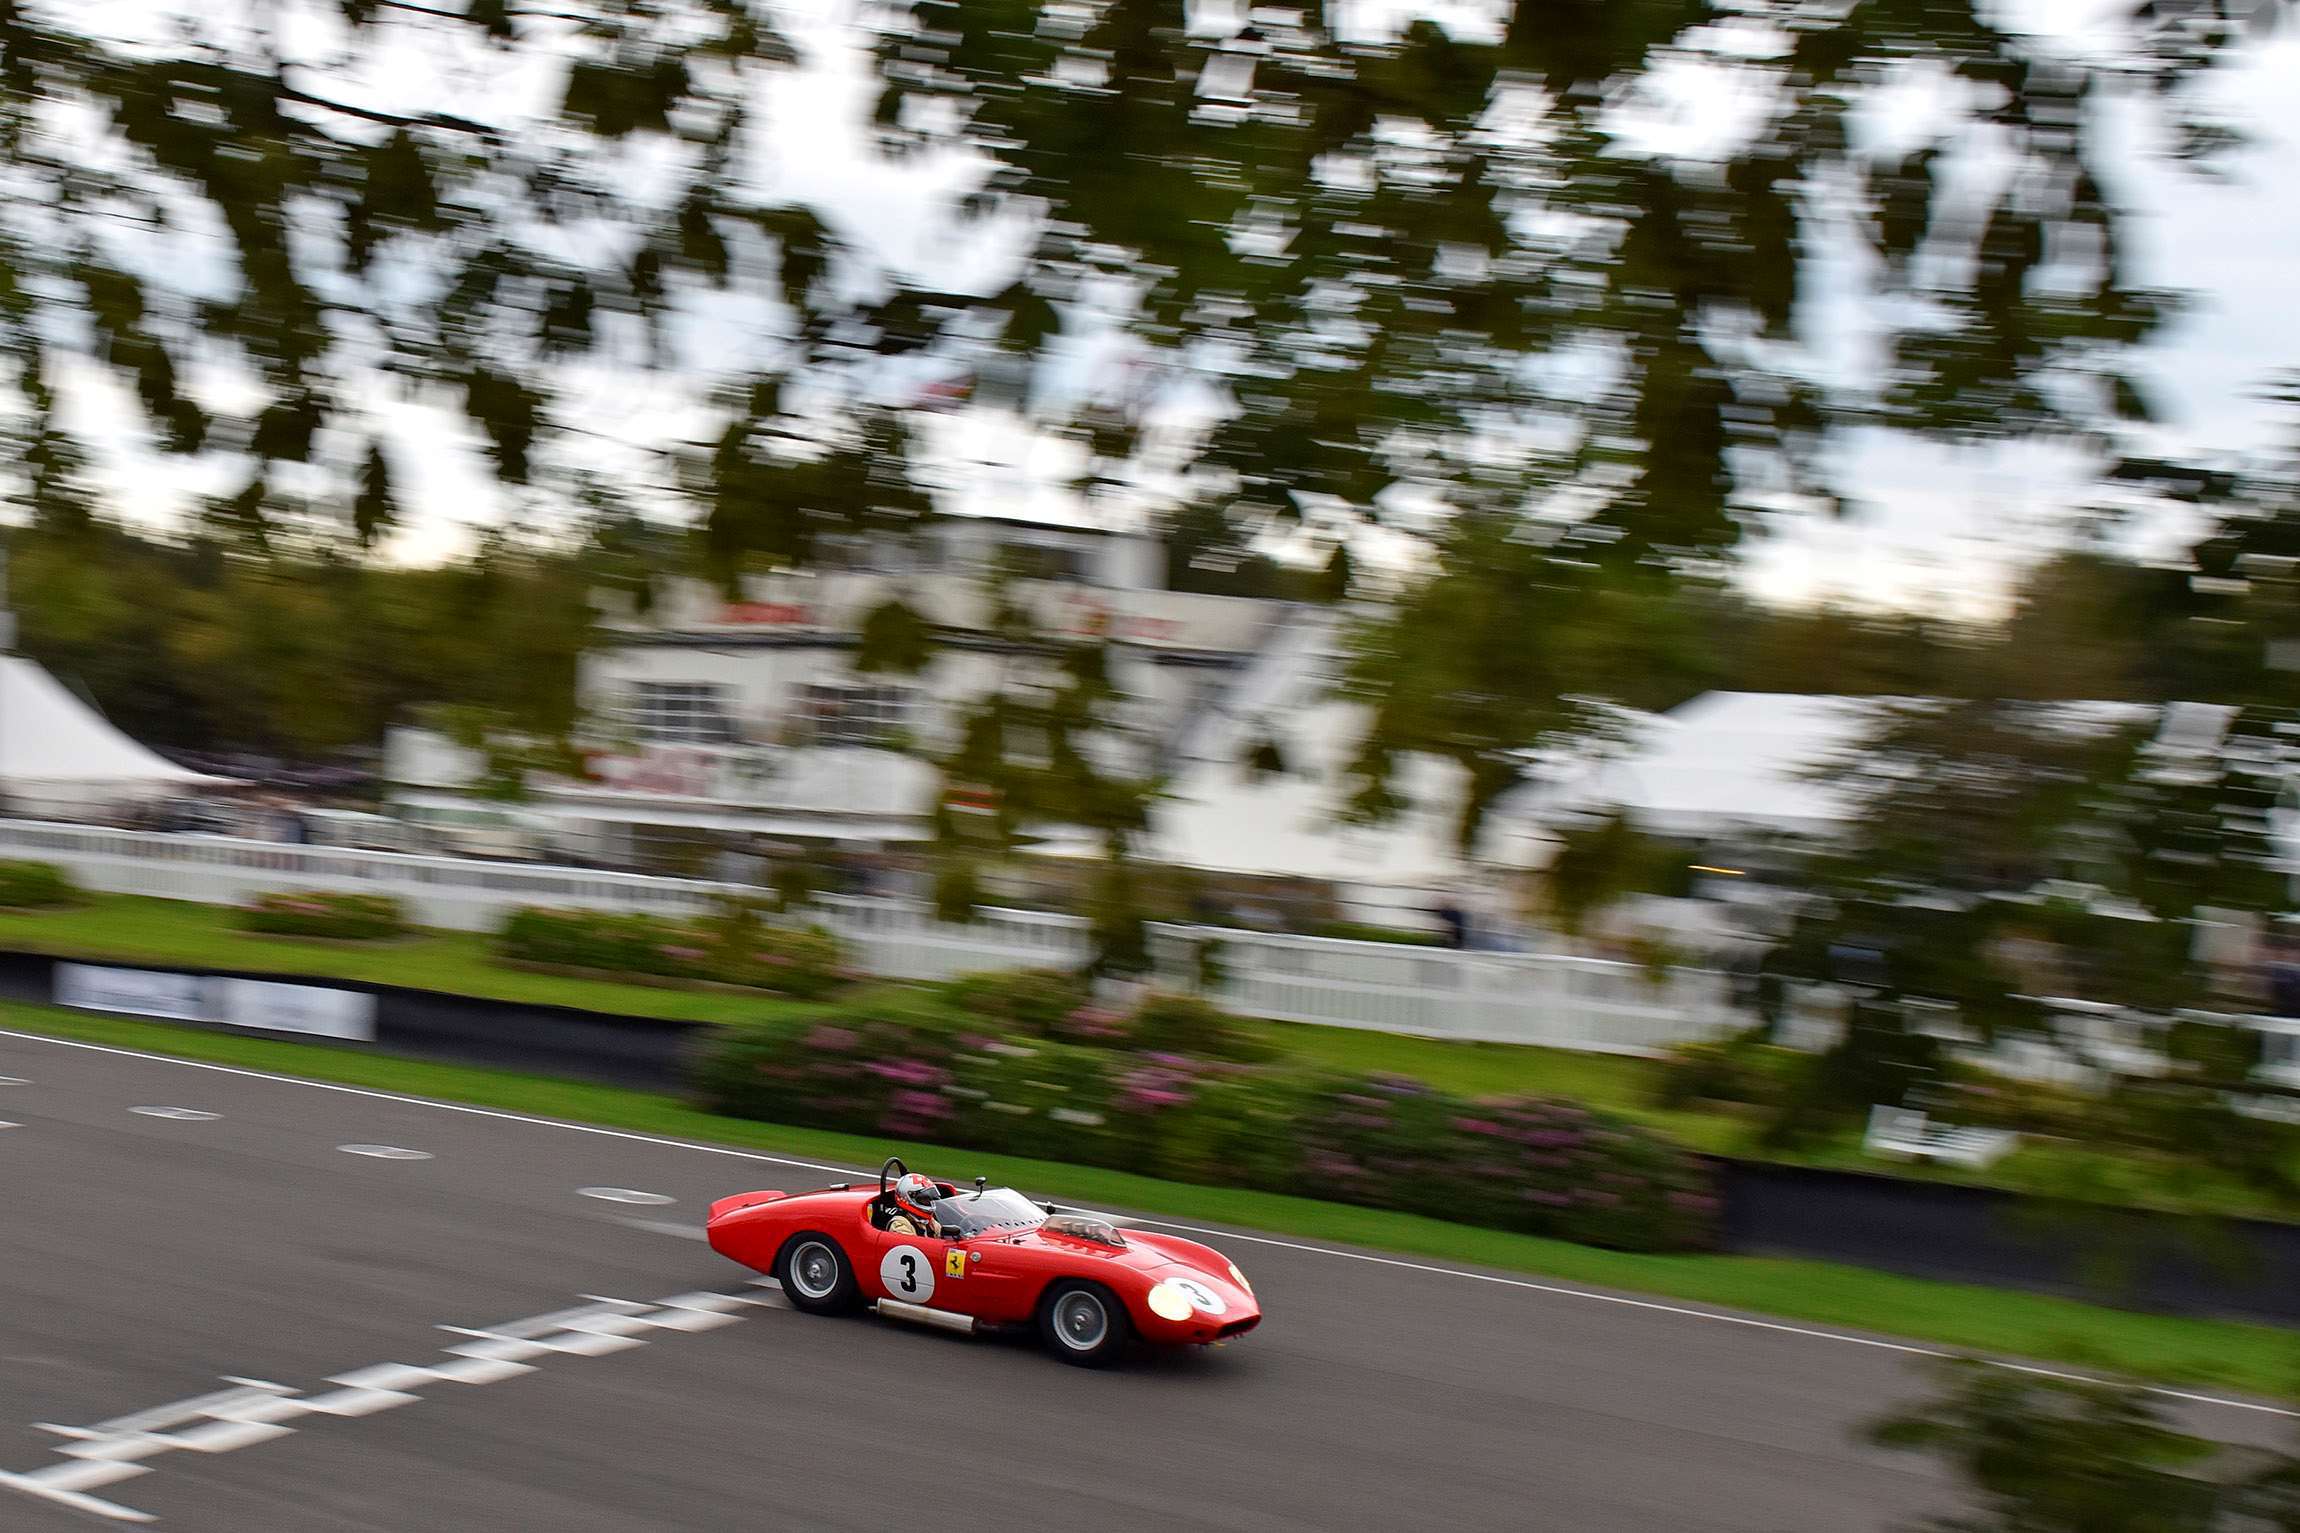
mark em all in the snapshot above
pixel 1727 763
pixel 60 756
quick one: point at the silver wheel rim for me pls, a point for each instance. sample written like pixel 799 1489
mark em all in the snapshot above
pixel 1081 1321
pixel 815 1270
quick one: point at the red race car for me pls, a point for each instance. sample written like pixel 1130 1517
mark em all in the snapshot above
pixel 981 1259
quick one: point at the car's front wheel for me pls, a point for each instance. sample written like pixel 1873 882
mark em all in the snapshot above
pixel 1083 1323
pixel 816 1275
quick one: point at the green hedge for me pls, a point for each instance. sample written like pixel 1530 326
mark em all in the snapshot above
pixel 316 913
pixel 733 947
pixel 1526 1164
pixel 28 885
pixel 1738 1071
pixel 1060 1006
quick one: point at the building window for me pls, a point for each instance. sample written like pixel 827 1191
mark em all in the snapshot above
pixel 681 713
pixel 840 713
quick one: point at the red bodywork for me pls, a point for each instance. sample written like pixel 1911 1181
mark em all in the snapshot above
pixel 998 1278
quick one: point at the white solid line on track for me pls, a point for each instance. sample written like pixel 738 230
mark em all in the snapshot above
pixel 1752 1322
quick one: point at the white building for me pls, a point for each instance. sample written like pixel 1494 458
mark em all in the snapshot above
pixel 748 717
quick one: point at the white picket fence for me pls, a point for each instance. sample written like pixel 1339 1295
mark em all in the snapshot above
pixel 1555 1000
pixel 1558 1001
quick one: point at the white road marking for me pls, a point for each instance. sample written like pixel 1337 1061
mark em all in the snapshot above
pixel 481 1370
pixel 13 1080
pixel 48 1490
pixel 627 1195
pixel 182 1114
pixel 257 1411
pixel 1654 1306
pixel 384 1152
pixel 666 1227
pixel 11 1125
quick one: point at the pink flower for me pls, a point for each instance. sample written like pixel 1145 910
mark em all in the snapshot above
pixel 831 1039
pixel 680 954
pixel 910 1072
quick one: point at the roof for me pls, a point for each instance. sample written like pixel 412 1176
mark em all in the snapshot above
pixel 55 746
pixel 1740 759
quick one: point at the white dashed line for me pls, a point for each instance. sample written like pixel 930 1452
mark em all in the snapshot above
pixel 384 1152
pixel 627 1195
pixel 760 1157
pixel 183 1114
pixel 11 1125
pixel 13 1080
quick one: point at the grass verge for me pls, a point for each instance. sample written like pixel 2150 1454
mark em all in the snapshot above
pixel 2256 1359
pixel 134 929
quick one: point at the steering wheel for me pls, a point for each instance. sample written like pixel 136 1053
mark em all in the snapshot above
pixel 890 1173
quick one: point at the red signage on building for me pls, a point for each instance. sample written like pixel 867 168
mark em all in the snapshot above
pixel 767 613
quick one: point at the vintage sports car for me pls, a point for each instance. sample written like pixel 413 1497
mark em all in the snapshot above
pixel 984 1258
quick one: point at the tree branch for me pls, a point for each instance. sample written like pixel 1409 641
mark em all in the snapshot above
pixel 439 120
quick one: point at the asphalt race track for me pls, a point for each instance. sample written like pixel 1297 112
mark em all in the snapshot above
pixel 239 1324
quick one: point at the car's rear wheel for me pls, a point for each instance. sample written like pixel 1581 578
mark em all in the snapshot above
pixel 1083 1323
pixel 816 1275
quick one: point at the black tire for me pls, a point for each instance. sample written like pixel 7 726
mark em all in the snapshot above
pixel 799 1267
pixel 1083 1324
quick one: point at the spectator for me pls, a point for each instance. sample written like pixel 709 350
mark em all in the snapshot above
pixel 2283 978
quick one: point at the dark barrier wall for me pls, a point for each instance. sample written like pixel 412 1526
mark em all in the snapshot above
pixel 2230 1267
pixel 2242 1268
pixel 645 1053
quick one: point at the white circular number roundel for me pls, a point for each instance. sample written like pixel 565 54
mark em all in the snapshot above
pixel 908 1274
pixel 1208 1301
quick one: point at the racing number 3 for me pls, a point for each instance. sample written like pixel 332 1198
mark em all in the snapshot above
pixel 907 1273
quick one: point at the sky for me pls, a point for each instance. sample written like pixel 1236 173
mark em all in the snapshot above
pixel 1935 525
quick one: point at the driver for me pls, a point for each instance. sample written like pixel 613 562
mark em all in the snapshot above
pixel 914 1200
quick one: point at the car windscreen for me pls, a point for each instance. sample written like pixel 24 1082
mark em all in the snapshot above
pixel 998 1208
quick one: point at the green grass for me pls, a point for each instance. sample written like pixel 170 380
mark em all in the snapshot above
pixel 135 929
pixel 2253 1358
pixel 175 932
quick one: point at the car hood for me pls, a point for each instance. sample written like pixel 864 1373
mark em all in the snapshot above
pixel 1143 1252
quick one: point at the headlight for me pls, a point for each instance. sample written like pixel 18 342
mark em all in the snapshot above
pixel 1239 1278
pixel 1169 1303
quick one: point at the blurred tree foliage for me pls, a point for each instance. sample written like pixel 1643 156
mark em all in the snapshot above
pixel 1444 261
pixel 2048 1455
pixel 302 652
pixel 1443 258
pixel 2004 851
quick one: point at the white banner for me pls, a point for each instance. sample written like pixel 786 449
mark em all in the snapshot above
pixel 264 1005
pixel 277 1008
pixel 138 992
